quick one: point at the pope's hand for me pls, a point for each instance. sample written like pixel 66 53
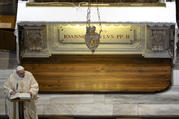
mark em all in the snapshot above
pixel 30 93
pixel 12 92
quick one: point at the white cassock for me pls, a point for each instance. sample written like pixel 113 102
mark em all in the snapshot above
pixel 26 84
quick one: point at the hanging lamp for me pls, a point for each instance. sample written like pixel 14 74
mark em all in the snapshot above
pixel 92 38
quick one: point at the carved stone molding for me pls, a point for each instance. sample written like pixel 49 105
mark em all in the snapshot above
pixel 148 40
pixel 34 41
pixel 160 40
pixel 109 1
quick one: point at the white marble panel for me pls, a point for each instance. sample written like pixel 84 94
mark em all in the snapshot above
pixel 58 109
pixel 43 98
pixel 158 109
pixel 96 109
pixel 42 103
pixel 41 109
pixel 73 98
pixel 175 80
pixel 99 98
pixel 170 96
pixel 75 109
pixel 124 109
pixel 74 104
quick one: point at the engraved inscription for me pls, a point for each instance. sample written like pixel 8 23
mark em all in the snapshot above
pixel 111 34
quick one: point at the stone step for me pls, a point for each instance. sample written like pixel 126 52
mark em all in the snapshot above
pixel 5 53
pixel 177 61
pixel 7 60
pixel 5 73
pixel 7 64
pixel 176 66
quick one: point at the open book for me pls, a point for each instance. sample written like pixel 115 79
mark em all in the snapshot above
pixel 20 96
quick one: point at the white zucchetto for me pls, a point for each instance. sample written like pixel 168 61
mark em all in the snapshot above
pixel 19 68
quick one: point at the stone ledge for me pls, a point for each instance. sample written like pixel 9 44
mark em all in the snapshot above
pixel 68 4
pixel 76 109
pixel 158 109
pixel 5 73
pixel 176 76
pixel 170 96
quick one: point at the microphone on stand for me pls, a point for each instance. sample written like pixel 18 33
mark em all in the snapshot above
pixel 17 87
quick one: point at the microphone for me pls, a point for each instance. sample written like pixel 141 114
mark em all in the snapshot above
pixel 16 86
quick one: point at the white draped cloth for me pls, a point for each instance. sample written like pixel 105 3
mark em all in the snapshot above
pixel 22 85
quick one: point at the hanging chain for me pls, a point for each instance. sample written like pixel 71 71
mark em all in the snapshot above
pixel 89 13
pixel 99 18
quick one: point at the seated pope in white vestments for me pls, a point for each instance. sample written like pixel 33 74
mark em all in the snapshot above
pixel 22 81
